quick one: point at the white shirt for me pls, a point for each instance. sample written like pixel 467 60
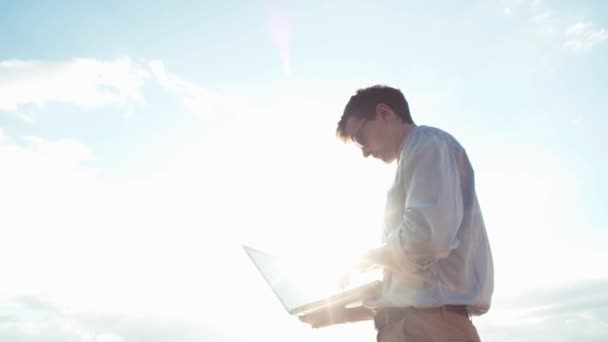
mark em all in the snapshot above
pixel 434 228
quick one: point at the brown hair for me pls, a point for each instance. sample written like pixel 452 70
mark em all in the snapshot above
pixel 363 105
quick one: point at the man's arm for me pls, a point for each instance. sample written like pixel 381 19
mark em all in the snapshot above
pixel 433 207
pixel 433 212
pixel 337 315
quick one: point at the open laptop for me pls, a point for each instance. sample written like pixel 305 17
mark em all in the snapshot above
pixel 301 290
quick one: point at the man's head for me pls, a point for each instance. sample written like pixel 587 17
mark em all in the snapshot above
pixel 376 119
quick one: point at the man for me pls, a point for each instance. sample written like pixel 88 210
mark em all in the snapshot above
pixel 437 262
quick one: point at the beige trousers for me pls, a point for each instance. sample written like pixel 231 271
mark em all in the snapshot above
pixel 433 325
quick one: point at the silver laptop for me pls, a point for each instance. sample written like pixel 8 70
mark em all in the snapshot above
pixel 301 290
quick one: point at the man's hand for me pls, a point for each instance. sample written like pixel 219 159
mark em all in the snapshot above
pixel 376 257
pixel 336 315
pixel 325 317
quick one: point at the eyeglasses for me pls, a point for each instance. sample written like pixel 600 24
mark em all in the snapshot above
pixel 358 137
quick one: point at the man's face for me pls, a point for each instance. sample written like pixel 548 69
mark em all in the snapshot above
pixel 370 135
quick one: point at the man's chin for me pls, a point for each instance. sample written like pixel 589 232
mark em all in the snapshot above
pixel 387 160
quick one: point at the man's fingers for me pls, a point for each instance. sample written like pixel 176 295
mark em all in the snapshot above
pixel 320 319
pixel 310 318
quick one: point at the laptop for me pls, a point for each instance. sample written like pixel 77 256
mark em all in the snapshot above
pixel 302 290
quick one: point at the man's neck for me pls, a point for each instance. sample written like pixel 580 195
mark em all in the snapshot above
pixel 404 131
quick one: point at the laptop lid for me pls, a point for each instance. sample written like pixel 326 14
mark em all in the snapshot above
pixel 300 288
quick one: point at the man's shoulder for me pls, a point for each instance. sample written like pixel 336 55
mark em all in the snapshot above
pixel 434 135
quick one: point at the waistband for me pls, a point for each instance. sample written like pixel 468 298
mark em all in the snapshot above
pixel 387 316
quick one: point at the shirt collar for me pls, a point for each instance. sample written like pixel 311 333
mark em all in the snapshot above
pixel 405 141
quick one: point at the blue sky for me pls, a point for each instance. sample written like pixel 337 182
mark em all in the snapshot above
pixel 141 144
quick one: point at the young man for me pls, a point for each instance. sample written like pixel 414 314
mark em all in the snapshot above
pixel 437 262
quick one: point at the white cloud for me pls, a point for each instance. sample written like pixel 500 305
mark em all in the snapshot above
pixel 107 337
pixel 510 6
pixel 69 232
pixel 32 319
pixel 536 4
pixel 194 98
pixel 546 24
pixel 22 116
pixel 550 25
pixel 64 152
pixel 40 156
pixel 583 36
pixel 129 114
pixel 93 83
pixel 554 313
pixel 82 82
pixel 543 17
pixel 44 187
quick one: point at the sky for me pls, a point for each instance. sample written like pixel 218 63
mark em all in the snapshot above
pixel 142 143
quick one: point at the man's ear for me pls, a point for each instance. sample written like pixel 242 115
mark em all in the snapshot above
pixel 383 111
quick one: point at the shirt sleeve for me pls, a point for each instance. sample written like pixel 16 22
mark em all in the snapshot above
pixel 433 207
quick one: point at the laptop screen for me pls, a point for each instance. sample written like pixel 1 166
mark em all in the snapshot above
pixel 295 283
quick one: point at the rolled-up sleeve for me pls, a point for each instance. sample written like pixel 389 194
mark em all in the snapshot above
pixel 433 207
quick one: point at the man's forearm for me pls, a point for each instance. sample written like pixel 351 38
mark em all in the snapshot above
pixel 358 314
pixel 379 256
